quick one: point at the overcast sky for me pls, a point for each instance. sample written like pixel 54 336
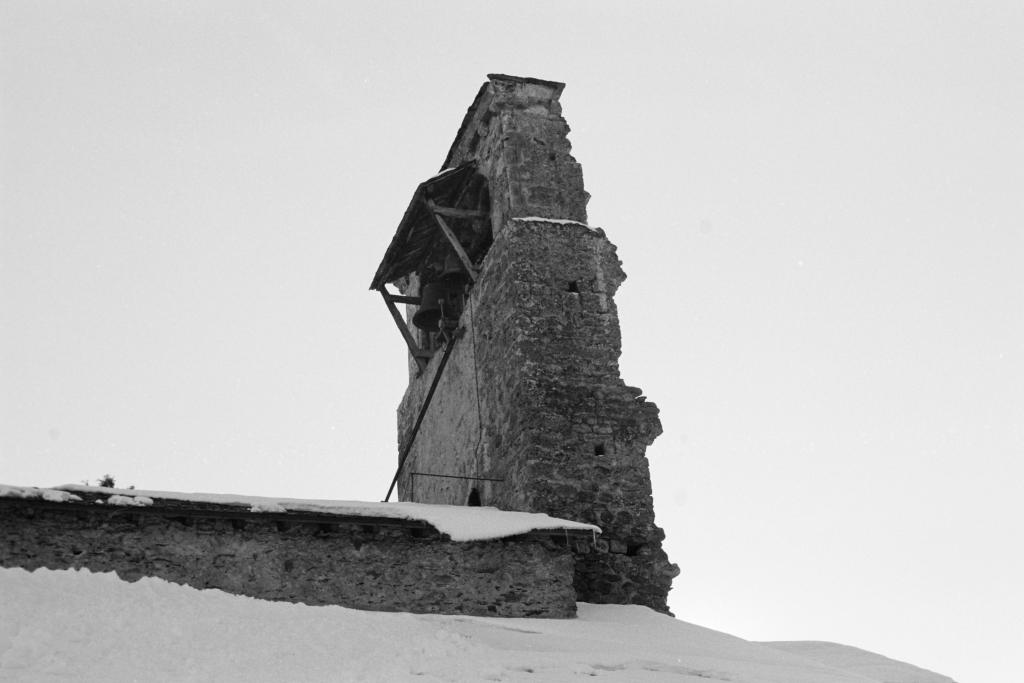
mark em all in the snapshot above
pixel 818 204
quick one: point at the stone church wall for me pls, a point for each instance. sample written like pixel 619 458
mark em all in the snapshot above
pixel 316 560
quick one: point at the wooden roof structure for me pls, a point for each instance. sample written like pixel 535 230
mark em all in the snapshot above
pixel 420 231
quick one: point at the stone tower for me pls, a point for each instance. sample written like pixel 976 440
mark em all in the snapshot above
pixel 514 396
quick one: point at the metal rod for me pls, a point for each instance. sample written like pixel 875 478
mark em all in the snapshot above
pixel 451 476
pixel 419 418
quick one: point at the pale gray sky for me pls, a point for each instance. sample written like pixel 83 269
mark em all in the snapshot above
pixel 818 204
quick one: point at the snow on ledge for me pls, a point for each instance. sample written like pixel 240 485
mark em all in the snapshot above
pixel 137 501
pixel 51 495
pixel 459 523
pixel 559 221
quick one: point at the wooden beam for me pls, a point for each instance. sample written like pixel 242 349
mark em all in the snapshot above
pixel 398 299
pixel 459 250
pixel 418 354
pixel 457 213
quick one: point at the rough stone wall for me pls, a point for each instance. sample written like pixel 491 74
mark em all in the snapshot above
pixel 516 134
pixel 532 395
pixel 318 563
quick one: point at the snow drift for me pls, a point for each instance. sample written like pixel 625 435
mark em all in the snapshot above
pixel 63 625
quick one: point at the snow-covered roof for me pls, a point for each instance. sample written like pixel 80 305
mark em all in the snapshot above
pixel 458 523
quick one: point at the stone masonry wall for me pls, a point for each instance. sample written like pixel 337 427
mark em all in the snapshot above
pixel 385 568
pixel 531 395
pixel 516 134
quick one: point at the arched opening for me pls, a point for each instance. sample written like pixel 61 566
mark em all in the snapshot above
pixel 474 499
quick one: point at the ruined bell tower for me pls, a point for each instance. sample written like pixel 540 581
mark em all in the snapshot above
pixel 514 397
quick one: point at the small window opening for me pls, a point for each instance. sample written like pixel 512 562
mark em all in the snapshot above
pixel 474 499
pixel 574 286
pixel 599 449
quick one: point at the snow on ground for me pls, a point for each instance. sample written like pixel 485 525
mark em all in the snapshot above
pixel 460 523
pixel 63 625
pixel 859 661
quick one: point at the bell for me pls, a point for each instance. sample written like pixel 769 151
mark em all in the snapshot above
pixel 454 275
pixel 432 299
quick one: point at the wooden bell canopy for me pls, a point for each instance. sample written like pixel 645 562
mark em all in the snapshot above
pixel 446 228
